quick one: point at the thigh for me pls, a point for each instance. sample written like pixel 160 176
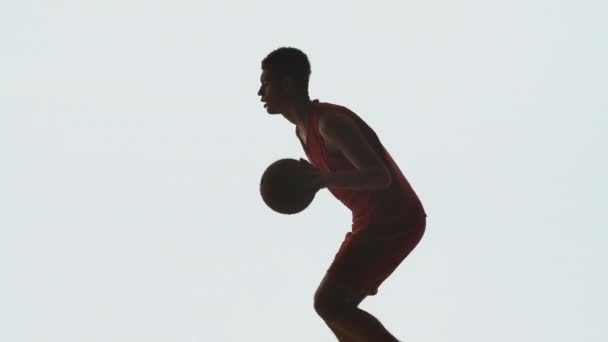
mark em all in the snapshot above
pixel 366 258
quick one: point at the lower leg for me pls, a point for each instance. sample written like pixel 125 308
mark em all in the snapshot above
pixel 341 334
pixel 361 326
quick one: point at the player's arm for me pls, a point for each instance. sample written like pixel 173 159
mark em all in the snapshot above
pixel 342 133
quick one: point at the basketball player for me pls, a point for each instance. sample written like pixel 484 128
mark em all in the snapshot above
pixel 348 159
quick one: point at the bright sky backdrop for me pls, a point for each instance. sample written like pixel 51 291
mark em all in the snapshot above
pixel 132 142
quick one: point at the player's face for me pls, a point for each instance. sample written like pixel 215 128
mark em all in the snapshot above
pixel 272 93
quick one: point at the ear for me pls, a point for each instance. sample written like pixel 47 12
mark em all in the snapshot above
pixel 288 84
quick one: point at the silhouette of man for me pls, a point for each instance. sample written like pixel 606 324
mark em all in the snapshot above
pixel 348 159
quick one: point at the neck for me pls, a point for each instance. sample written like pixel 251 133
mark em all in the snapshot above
pixel 297 113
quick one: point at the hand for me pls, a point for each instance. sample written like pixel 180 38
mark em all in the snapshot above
pixel 317 178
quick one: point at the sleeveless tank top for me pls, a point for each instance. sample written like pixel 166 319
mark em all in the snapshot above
pixel 397 204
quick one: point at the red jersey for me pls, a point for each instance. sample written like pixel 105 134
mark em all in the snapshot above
pixel 396 204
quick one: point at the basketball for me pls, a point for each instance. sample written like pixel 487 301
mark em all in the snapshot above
pixel 284 186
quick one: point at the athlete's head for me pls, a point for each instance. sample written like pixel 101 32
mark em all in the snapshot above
pixel 285 75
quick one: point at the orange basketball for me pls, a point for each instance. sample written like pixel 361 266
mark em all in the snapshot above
pixel 284 186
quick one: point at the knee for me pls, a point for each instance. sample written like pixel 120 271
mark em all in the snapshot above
pixel 329 308
pixel 320 304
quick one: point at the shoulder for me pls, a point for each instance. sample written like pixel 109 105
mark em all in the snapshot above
pixel 334 118
pixel 340 130
pixel 340 123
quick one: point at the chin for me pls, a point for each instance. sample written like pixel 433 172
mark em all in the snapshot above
pixel 271 111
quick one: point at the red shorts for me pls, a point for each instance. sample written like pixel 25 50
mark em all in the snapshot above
pixel 369 255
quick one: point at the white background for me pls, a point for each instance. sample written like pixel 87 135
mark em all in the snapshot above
pixel 132 142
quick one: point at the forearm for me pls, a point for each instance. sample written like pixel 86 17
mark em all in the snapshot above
pixel 370 179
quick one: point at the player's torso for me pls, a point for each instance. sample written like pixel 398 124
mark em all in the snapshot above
pixel 393 204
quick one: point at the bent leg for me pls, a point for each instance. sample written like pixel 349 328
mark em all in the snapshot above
pixel 337 305
pixel 365 259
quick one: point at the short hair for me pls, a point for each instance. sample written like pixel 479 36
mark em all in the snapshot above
pixel 289 61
